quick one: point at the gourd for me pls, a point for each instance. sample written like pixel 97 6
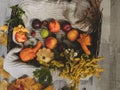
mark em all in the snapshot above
pixel 28 54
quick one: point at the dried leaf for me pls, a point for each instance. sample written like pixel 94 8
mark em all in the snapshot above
pixel 3 85
pixel 2 71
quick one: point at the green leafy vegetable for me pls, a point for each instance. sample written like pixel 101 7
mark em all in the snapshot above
pixel 43 75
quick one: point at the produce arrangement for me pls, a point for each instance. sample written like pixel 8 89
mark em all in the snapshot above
pixel 55 45
pixel 51 39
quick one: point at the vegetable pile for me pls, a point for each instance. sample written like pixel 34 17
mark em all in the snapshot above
pixel 56 45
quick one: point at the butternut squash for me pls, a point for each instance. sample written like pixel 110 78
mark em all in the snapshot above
pixel 28 54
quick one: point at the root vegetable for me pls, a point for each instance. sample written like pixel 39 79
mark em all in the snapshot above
pixel 85 40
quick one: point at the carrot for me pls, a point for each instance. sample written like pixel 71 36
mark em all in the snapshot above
pixel 85 40
pixel 85 49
